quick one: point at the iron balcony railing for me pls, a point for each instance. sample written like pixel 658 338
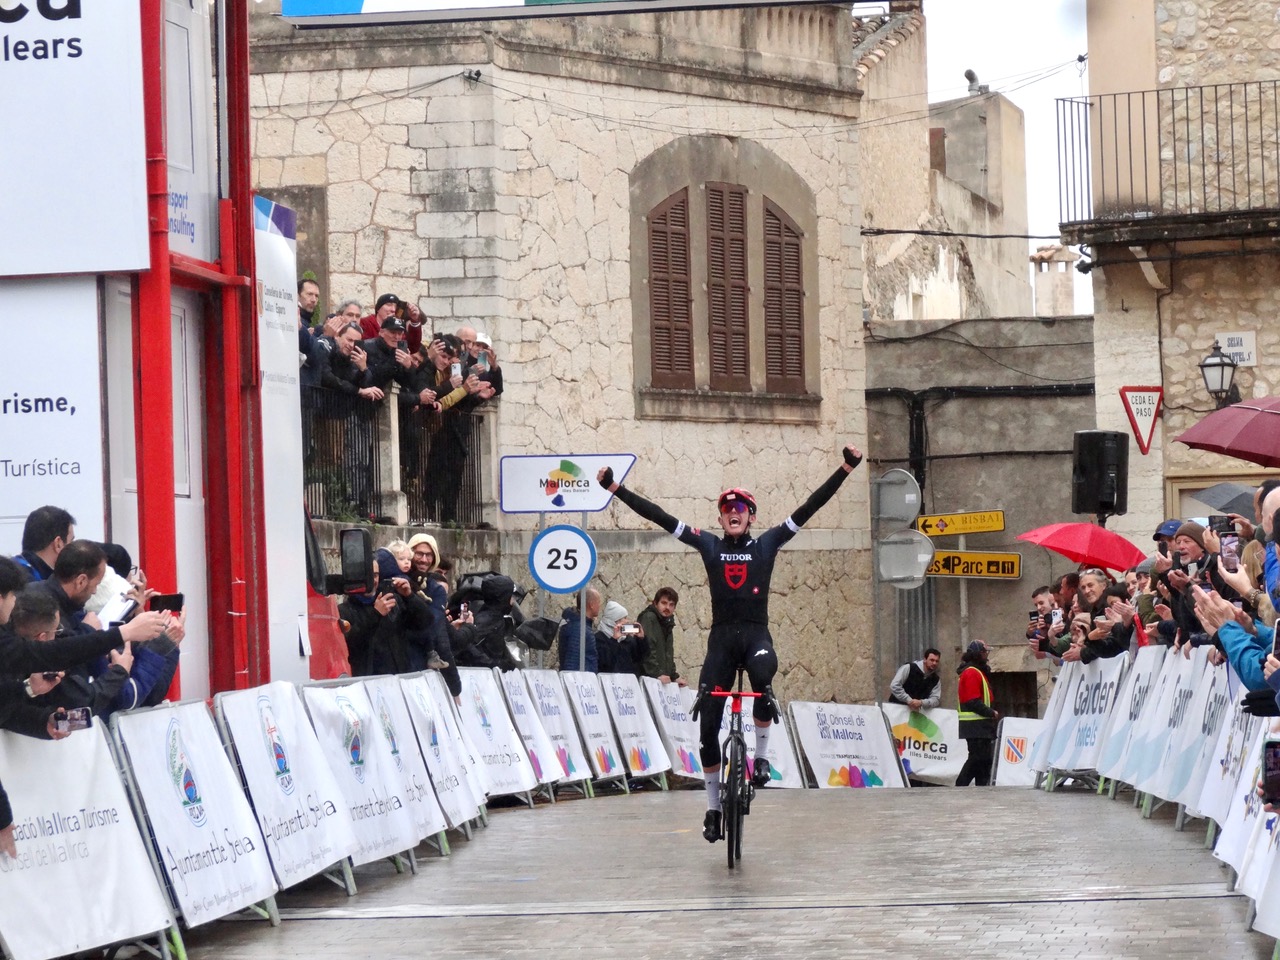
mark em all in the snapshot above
pixel 1180 152
pixel 387 463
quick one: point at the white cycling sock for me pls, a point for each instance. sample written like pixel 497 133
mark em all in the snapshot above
pixel 713 790
pixel 762 741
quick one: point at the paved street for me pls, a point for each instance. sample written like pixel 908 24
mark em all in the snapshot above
pixel 926 873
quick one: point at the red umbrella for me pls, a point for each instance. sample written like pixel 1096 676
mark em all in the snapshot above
pixel 1247 431
pixel 1087 543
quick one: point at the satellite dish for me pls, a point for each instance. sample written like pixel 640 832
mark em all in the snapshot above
pixel 904 557
pixel 895 500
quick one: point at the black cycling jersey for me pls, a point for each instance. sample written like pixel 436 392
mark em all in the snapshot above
pixel 739 569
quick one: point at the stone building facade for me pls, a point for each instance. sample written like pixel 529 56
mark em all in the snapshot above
pixel 1180 220
pixel 533 179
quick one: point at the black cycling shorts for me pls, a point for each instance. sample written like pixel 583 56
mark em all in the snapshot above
pixel 729 646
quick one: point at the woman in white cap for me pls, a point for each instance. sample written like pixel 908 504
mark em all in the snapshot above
pixel 620 643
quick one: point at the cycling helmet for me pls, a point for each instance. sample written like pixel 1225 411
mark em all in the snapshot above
pixel 738 495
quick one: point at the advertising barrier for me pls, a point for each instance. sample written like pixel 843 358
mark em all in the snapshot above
pixel 642 748
pixel 304 820
pixel 443 751
pixel 1171 709
pixel 407 760
pixel 483 715
pixel 76 839
pixel 349 734
pixel 587 699
pixel 208 844
pixel 1018 736
pixel 547 693
pixel 1139 682
pixel 672 704
pixel 784 764
pixel 928 742
pixel 524 715
pixel 1086 705
pixel 1193 734
pixel 1052 713
pixel 1230 753
pixel 847 745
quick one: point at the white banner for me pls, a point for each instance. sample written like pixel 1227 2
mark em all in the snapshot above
pixel 1152 716
pixel 72 77
pixel 542 754
pixel 587 699
pixel 397 731
pixel 346 725
pixel 82 877
pixel 1052 714
pixel 1244 809
pixel 928 741
pixel 275 247
pixel 784 765
pixel 642 748
pixel 1166 730
pixel 1085 710
pixel 847 745
pixel 488 725
pixel 1186 766
pixel 1260 852
pixel 1229 754
pixel 672 705
pixel 1013 751
pixel 210 847
pixel 1140 681
pixel 50 426
pixel 300 809
pixel 548 696
pixel 444 752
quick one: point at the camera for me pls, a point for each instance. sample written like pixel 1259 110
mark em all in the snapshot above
pixel 1221 524
pixel 72 718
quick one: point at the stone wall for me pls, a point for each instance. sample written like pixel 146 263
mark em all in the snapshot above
pixel 503 200
pixel 1200 42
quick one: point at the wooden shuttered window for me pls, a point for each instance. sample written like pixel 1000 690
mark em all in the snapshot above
pixel 783 302
pixel 727 288
pixel 670 314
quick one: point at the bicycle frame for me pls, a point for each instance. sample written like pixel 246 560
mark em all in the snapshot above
pixel 737 790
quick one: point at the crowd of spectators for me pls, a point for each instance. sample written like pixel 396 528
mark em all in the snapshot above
pixel 1214 584
pixel 610 641
pixel 76 639
pixel 352 363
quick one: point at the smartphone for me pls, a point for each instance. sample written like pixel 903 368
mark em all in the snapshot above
pixel 463 607
pixel 400 345
pixel 455 369
pixel 72 718
pixel 1271 769
pixel 482 361
pixel 1043 645
pixel 1230 552
pixel 1163 548
pixel 50 675
pixel 1033 616
pixel 630 629
pixel 167 601
pixel 1221 524
pixel 1057 616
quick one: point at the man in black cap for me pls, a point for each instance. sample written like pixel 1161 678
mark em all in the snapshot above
pixel 388 305
pixel 387 357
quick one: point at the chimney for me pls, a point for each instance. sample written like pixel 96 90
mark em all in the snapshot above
pixel 1054 284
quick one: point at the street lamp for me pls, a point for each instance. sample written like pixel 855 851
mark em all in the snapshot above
pixel 1219 372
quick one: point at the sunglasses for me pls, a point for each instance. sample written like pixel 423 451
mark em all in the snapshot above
pixel 734 506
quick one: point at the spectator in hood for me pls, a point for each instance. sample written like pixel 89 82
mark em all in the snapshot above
pixel 496 621
pixel 621 645
pixel 571 635
pixel 426 562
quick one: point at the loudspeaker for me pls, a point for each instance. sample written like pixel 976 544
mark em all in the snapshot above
pixel 1100 472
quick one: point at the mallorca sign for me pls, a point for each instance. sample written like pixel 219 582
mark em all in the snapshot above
pixel 1142 404
pixel 559 484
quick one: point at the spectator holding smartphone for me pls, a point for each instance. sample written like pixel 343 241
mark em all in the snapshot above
pixel 621 645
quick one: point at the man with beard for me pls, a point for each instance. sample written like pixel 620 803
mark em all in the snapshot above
pixel 658 620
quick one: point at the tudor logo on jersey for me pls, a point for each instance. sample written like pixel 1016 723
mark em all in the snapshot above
pixel 735 574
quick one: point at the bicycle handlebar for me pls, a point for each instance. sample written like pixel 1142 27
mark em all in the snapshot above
pixel 732 693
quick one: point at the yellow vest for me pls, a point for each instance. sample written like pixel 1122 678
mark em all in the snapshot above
pixel 986 699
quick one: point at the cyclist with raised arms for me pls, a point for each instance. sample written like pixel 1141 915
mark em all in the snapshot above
pixel 739 568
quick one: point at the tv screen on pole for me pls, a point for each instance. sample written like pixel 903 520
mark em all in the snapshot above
pixel 333 13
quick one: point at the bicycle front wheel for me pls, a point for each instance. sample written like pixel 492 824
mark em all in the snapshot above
pixel 734 800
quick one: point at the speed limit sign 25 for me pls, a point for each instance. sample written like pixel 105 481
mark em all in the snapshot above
pixel 562 559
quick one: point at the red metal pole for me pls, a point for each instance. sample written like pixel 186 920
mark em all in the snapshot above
pixel 252 582
pixel 152 332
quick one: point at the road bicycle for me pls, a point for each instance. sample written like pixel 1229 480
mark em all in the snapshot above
pixel 736 788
